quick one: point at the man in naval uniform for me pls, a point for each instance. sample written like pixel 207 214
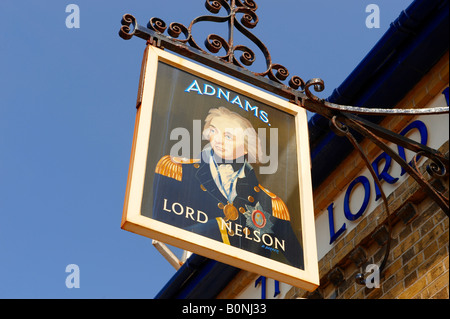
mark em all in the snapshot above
pixel 218 195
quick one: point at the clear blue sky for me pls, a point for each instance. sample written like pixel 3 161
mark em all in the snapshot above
pixel 67 110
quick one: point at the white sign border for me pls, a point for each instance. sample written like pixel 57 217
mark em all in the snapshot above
pixel 133 221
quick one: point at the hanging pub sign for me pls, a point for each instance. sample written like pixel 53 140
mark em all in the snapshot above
pixel 221 169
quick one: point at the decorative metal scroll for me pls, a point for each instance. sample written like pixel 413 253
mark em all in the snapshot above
pixel 234 59
pixel 223 54
pixel 225 49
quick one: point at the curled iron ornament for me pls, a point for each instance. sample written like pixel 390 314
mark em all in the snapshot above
pixel 318 86
pixel 127 30
pixel 437 168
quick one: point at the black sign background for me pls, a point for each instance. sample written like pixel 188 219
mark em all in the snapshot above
pixel 173 107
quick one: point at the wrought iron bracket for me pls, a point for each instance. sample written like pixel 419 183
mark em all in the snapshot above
pixel 272 79
pixel 235 59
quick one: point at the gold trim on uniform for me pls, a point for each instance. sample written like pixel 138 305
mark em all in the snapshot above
pixel 223 231
pixel 271 195
pixel 167 167
pixel 279 208
pixel 172 166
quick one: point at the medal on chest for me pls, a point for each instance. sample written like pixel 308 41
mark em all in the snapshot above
pixel 230 211
pixel 258 219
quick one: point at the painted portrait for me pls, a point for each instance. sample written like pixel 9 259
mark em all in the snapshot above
pixel 223 165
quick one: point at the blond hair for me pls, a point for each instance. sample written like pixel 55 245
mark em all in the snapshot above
pixel 252 143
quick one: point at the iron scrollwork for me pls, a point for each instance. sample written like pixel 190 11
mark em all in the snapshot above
pixel 235 54
pixel 296 88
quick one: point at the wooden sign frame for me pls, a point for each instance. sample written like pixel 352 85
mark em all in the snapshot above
pixel 158 65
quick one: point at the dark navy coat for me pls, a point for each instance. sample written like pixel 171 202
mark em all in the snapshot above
pixel 186 196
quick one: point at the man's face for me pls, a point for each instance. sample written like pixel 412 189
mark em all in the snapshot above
pixel 227 138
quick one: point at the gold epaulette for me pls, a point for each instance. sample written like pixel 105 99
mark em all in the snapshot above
pixel 172 166
pixel 279 208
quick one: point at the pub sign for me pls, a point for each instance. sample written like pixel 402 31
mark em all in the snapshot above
pixel 221 169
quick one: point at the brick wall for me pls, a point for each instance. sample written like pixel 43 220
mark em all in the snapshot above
pixel 418 262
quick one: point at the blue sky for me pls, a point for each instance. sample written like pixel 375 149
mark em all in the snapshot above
pixel 67 110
